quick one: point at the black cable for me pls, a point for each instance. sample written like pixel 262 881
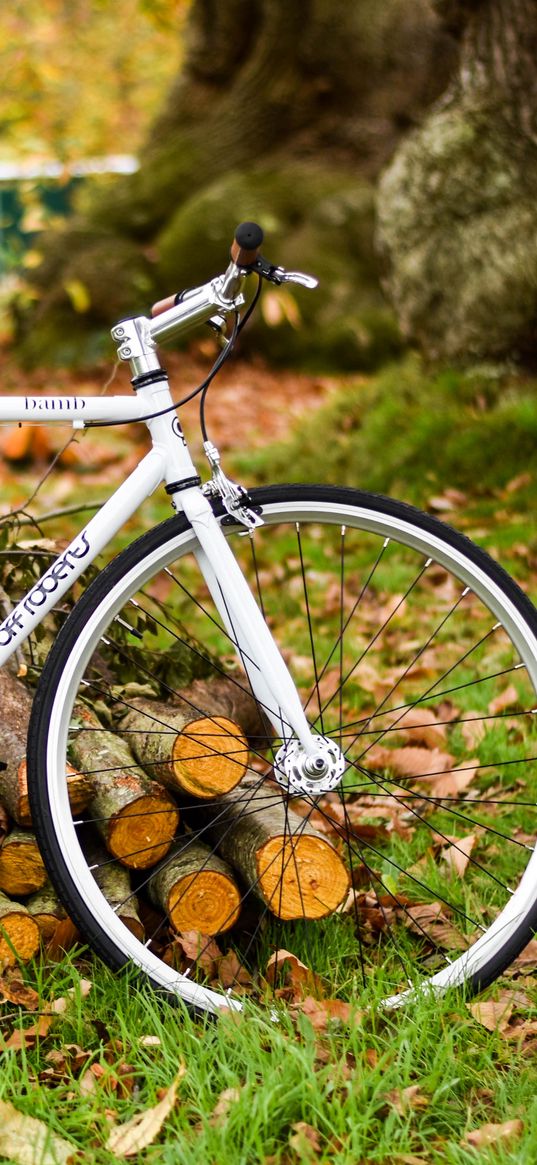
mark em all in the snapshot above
pixel 216 368
pixel 201 388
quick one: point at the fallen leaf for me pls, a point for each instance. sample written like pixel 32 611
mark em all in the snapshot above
pixel 27 1037
pixel 457 855
pixel 526 958
pixel 405 1099
pixel 225 1101
pixel 420 726
pixel 305 1140
pixel 506 699
pixel 232 973
pixel 13 990
pixel 130 1138
pixel 491 1134
pixel 452 783
pixel 494 1014
pixel 320 1012
pixel 473 729
pixel 26 1140
pixel 64 936
pixel 60 1005
pixel 409 761
pixel 285 967
pixel 201 949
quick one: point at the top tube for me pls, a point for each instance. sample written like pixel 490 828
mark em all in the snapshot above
pixel 69 409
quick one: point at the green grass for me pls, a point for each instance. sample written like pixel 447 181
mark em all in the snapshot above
pixel 410 431
pixel 347 1082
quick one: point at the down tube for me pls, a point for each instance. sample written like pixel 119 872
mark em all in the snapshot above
pixel 59 577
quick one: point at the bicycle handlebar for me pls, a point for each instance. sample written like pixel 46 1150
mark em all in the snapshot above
pixel 244 251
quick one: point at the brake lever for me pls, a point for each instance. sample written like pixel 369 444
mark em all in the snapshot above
pixel 278 275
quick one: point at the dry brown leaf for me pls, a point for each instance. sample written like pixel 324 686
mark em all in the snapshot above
pixel 321 1011
pixel 410 761
pixel 452 783
pixel 65 936
pixel 457 855
pixel 491 1134
pixel 225 1101
pixel 201 949
pixel 405 1099
pixel 28 1037
pixel 232 973
pixel 13 990
pixel 305 1140
pixel 473 729
pixel 60 1005
pixel 494 1014
pixel 130 1138
pixel 419 726
pixel 285 967
pixel 506 699
pixel 26 1140
pixel 527 958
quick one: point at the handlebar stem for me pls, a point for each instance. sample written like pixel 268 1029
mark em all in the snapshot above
pixel 137 338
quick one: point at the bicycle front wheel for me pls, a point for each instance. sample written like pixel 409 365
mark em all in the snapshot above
pixel 411 648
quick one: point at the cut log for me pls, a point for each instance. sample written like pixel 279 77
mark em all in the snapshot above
pixel 227 696
pixel 295 870
pixel 198 754
pixel 21 865
pixel 115 882
pixel 135 816
pixel 15 707
pixel 196 889
pixel 14 792
pixel 19 933
pixel 45 907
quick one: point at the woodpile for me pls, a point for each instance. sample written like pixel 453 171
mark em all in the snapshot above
pixel 176 826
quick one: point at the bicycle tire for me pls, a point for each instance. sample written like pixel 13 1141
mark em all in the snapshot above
pixel 328 515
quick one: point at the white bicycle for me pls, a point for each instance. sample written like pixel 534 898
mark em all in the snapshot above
pixel 380 693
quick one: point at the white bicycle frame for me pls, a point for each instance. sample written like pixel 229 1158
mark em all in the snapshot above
pixel 168 461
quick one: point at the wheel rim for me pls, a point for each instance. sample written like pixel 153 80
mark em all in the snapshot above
pixel 366 569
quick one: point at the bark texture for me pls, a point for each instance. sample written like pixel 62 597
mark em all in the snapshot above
pixel 456 206
pixel 135 817
pixel 282 112
pixel 191 752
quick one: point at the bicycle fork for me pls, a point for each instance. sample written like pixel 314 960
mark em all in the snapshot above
pixel 306 762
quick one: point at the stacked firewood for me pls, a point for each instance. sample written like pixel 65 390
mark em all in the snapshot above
pixel 174 822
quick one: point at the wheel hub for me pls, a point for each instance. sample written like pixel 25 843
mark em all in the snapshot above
pixel 299 772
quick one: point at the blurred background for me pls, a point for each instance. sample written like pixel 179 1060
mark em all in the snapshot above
pixel 390 149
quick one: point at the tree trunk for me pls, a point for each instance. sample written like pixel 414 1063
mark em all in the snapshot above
pixel 457 215
pixel 283 112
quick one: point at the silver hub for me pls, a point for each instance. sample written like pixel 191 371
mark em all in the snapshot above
pixel 299 772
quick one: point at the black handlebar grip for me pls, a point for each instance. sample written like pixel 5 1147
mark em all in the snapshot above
pixel 246 244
